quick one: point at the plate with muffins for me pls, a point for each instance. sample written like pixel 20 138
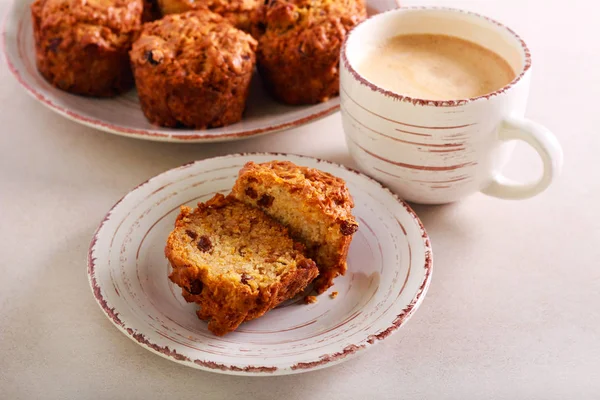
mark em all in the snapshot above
pixel 259 264
pixel 182 70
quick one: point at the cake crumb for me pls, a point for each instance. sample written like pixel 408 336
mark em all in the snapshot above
pixel 333 295
pixel 310 299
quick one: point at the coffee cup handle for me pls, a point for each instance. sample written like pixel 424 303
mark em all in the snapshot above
pixel 546 145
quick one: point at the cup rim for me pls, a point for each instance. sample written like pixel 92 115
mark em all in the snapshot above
pixel 437 103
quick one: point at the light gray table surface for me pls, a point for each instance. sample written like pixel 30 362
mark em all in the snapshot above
pixel 513 311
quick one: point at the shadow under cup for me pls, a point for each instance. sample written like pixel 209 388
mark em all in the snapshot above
pixel 433 151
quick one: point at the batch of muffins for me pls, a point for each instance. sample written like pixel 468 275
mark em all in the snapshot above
pixel 282 227
pixel 192 60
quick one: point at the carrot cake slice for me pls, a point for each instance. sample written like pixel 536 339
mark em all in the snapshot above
pixel 235 262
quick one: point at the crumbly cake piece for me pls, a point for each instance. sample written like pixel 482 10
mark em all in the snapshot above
pixel 237 12
pixel 235 262
pixel 82 46
pixel 193 70
pixel 299 46
pixel 314 205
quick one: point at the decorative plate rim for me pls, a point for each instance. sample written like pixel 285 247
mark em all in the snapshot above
pixel 320 362
pixel 201 136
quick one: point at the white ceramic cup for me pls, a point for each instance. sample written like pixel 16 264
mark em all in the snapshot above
pixel 436 152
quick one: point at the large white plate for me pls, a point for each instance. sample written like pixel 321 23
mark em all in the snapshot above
pixel 122 115
pixel 389 270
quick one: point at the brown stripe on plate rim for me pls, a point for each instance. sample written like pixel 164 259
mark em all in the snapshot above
pixel 375 236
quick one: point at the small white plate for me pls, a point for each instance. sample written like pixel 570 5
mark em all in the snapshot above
pixel 122 115
pixel 389 270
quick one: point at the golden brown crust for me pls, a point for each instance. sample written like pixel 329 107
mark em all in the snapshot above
pixel 82 46
pixel 193 69
pixel 237 12
pixel 235 262
pixel 314 205
pixel 299 46
pixel 321 190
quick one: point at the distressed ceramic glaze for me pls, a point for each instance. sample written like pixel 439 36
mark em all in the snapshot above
pixel 440 151
pixel 389 270
pixel 122 115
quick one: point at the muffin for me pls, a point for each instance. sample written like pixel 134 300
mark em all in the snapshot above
pixel 193 70
pixel 82 46
pixel 235 262
pixel 315 206
pixel 237 12
pixel 299 46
